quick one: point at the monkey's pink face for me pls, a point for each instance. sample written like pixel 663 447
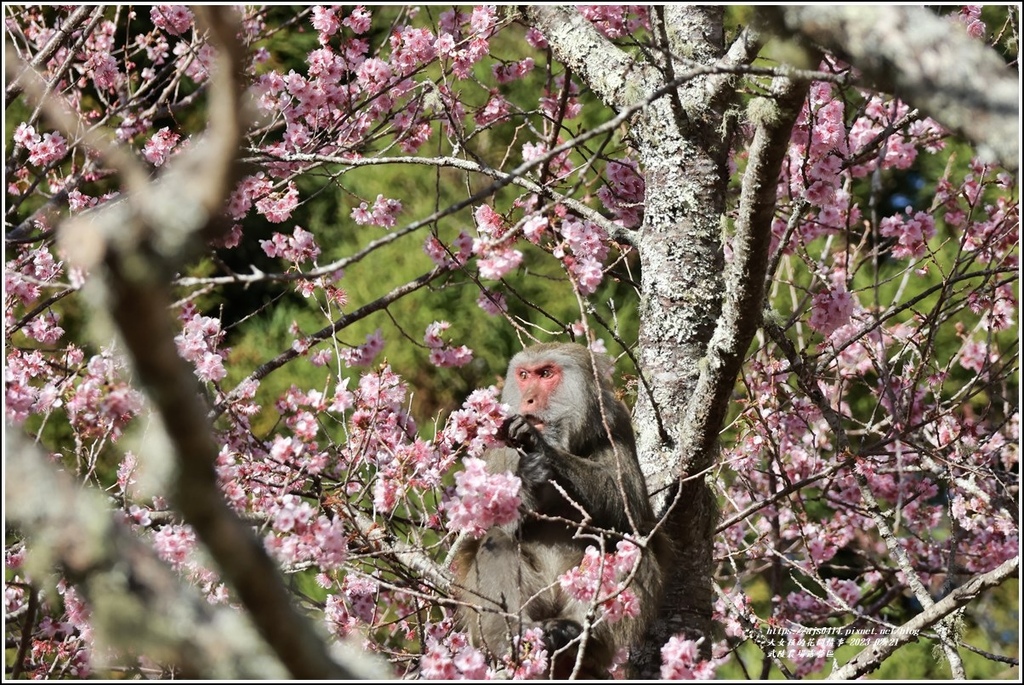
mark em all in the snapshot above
pixel 536 384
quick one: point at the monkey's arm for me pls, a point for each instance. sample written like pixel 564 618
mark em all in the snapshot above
pixel 603 484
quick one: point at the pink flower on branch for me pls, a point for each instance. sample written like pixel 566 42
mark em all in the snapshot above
pixel 912 232
pixel 198 342
pixel 358 20
pixel 42 150
pixel 297 248
pixel 601 578
pixel 624 193
pixel 174 19
pixel 680 660
pixel 453 658
pixel 363 355
pixel 277 207
pixel 325 22
pixel 483 499
pixel 531 658
pixel 475 425
pixel 497 262
pixel 449 258
pixel 383 213
pixel 506 73
pixel 250 189
pixel 441 351
pixel 159 146
pixel 616 21
pixel 831 310
pixel 492 302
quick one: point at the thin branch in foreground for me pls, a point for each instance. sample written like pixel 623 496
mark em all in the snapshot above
pixel 871 658
pixel 138 604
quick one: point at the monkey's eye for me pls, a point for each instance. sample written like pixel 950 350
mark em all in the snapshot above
pixel 546 372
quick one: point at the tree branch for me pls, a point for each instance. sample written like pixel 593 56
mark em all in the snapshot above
pixel 615 77
pixel 871 658
pixel 745 273
pixel 328 331
pixel 132 248
pixel 136 602
pixel 924 60
pixel 57 40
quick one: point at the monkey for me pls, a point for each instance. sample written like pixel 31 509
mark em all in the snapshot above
pixel 567 433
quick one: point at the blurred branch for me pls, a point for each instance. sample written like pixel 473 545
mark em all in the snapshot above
pixel 923 59
pixel 132 248
pixel 137 603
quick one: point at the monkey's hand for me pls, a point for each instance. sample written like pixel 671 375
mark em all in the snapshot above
pixel 519 433
pixel 559 632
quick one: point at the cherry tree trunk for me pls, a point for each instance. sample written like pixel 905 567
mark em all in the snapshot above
pixel 683 149
pixel 682 144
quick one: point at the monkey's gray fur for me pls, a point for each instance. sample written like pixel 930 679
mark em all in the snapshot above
pixel 579 437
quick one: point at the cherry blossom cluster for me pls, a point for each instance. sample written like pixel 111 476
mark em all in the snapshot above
pixel 44 149
pixel 559 166
pixel 177 545
pixel 174 19
pixel 616 21
pixel 831 310
pixel 482 499
pixel 583 249
pixel 970 17
pixel 600 579
pixel 301 534
pixel 277 206
pixel 297 248
pixel 874 379
pixel 363 355
pixel 160 146
pixel 199 343
pixel 65 644
pixel 450 257
pixel 901 416
pixel 680 660
pixel 911 232
pixel 382 213
pixel 827 152
pixel 103 402
pixel 474 426
pixel 623 194
pixel 451 657
pixel 30 272
pixel 378 422
pixel 529 658
pixel 442 352
pixel 495 255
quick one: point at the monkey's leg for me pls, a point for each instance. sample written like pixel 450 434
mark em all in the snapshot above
pixel 493 584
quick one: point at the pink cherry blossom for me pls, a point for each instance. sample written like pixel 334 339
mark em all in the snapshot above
pixel 363 355
pixel 831 309
pixel 174 19
pixel 358 20
pixel 160 146
pixel 297 248
pixel 483 499
pixel 680 660
pixel 277 207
